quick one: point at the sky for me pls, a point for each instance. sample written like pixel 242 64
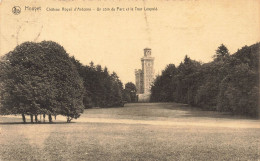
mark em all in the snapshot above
pixel 116 39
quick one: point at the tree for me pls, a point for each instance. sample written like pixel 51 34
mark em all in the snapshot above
pixel 39 78
pixel 240 86
pixel 130 90
pixel 221 53
pixel 116 95
pixel 229 83
pixel 187 80
pixel 126 95
pixel 164 86
pixel 101 88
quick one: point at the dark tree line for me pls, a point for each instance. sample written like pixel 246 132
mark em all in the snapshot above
pixel 42 79
pixel 228 83
pixel 101 88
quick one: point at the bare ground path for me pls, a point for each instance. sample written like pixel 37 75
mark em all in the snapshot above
pixel 149 131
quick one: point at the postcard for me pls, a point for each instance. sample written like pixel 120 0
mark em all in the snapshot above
pixel 129 80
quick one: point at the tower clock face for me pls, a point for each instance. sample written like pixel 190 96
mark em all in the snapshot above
pixel 148 53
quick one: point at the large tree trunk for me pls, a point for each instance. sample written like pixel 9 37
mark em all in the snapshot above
pixel 31 118
pixel 24 119
pixel 50 118
pixel 69 119
pixel 43 117
pixel 36 118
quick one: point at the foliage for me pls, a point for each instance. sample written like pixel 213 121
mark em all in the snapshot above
pixel 229 83
pixel 221 53
pixel 164 85
pixel 101 88
pixel 39 78
pixel 130 92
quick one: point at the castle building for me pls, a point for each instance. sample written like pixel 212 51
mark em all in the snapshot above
pixel 144 77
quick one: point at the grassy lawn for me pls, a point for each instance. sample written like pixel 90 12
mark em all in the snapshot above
pixel 166 131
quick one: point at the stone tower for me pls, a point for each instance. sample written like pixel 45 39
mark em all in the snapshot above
pixel 145 76
pixel 147 68
pixel 139 81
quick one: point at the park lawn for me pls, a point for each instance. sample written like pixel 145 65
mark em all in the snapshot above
pixel 83 140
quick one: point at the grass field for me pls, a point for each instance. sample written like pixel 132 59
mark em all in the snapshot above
pixel 151 131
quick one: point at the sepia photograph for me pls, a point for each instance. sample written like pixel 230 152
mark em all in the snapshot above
pixel 123 80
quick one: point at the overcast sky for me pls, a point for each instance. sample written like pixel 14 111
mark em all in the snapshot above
pixel 117 39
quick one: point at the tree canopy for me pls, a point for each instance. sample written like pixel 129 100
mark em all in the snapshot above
pixel 229 83
pixel 130 92
pixel 221 53
pixel 42 79
pixel 102 89
pixel 39 78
